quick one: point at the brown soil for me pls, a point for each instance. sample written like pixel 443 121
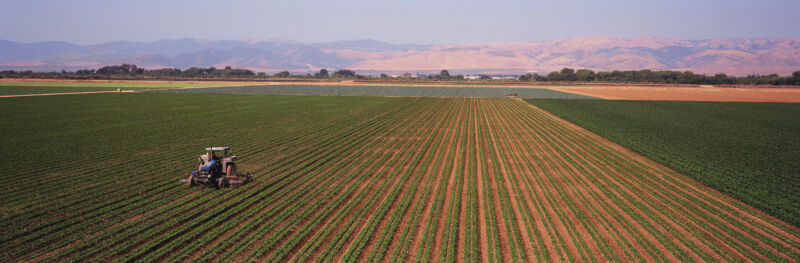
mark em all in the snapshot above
pixel 748 94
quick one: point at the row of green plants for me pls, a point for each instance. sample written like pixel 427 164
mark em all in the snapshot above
pixel 354 178
pixel 745 150
pixel 674 202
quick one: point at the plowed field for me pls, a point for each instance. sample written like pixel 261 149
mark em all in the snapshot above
pixel 359 180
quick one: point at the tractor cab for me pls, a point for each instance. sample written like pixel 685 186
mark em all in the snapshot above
pixel 218 170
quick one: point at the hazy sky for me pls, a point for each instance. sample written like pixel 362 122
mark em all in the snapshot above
pixel 424 22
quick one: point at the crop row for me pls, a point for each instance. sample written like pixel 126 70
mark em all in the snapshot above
pixel 366 180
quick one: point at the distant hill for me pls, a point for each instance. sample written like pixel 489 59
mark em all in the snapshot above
pixel 734 56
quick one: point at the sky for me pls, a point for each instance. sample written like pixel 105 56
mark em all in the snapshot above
pixel 414 21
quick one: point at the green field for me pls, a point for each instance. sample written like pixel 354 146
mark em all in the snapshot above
pixel 747 150
pixel 94 178
pixel 110 85
pixel 21 88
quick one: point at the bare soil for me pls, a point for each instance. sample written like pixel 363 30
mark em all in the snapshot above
pixel 680 93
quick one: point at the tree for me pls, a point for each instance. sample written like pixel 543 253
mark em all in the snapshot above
pixel 322 74
pixel 526 77
pixel 384 76
pixel 554 76
pixel 584 75
pixel 568 74
pixel 795 79
pixel 344 73
pixel 283 74
pixel 444 74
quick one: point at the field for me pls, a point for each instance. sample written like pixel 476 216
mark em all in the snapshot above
pixel 350 179
pixel 399 91
pixel 680 93
pixel 28 87
pixel 746 150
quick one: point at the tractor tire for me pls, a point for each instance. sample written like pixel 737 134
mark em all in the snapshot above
pixel 221 182
pixel 190 181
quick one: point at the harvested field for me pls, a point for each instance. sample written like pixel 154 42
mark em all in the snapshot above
pixel 353 179
pixel 746 94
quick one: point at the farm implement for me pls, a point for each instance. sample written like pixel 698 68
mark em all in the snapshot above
pixel 216 171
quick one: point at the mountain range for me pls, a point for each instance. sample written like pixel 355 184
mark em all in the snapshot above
pixel 733 56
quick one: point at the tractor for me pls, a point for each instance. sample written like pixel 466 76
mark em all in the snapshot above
pixel 216 171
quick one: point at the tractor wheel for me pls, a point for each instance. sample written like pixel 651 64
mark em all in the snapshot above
pixel 190 181
pixel 231 170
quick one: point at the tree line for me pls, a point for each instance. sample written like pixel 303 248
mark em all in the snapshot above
pixel 662 76
pixel 131 70
pixel 565 75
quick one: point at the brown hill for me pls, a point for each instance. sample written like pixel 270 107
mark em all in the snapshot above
pixel 731 56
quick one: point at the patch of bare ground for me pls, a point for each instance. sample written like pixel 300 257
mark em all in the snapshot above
pixel 747 94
